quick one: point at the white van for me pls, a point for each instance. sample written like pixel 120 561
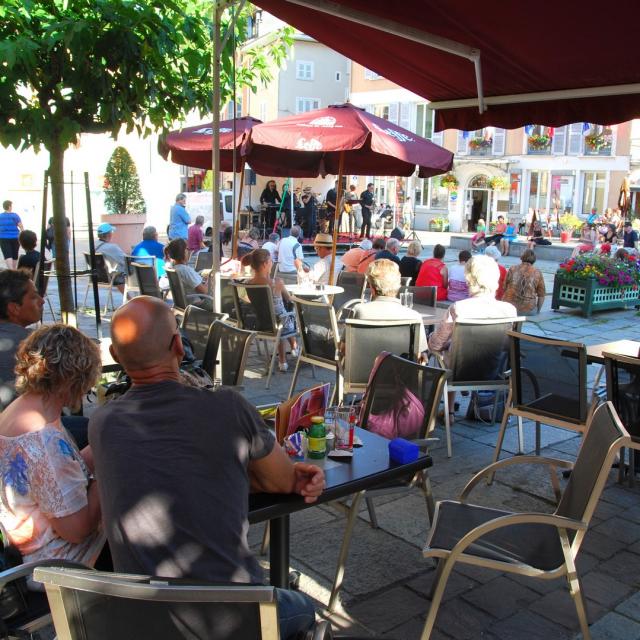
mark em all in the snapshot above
pixel 201 204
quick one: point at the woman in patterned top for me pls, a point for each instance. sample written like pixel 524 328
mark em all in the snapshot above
pixel 49 502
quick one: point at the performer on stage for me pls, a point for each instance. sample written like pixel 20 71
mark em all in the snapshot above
pixel 331 199
pixel 270 198
pixel 367 202
pixel 308 212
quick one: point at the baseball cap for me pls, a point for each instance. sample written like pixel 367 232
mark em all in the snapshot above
pixel 105 227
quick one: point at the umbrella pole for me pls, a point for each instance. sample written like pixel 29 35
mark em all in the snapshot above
pixel 236 222
pixel 337 214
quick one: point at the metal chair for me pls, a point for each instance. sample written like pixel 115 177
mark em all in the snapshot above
pixel 537 545
pixel 548 384
pixel 319 339
pixel 180 299
pixel 147 279
pixel 353 285
pixel 41 283
pixel 105 279
pixel 204 260
pixel 224 298
pixel 364 340
pixel 131 284
pixel 226 353
pixel 255 312
pixel 623 390
pixel 477 360
pixel 422 296
pixel 401 400
pixel 196 324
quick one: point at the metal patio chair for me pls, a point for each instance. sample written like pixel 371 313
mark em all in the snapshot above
pixel 477 361
pixel 224 298
pixel 548 385
pixel 41 283
pixel 196 324
pixel 105 279
pixel 204 260
pixel 180 299
pixel 131 284
pixel 537 545
pixel 147 279
pixel 354 285
pixel 226 353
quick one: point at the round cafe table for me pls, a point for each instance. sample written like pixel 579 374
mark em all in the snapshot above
pixel 312 290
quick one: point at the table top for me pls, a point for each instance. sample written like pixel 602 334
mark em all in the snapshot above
pixel 369 467
pixel 306 290
pixel 431 315
pixel 629 348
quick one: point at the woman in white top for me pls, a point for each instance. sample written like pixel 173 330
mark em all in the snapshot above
pixel 458 289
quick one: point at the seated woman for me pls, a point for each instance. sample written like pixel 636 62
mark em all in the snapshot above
pixel 260 261
pixel 458 289
pixel 433 273
pixel 410 265
pixel 588 239
pixel 192 282
pixel 610 235
pixel 227 242
pixel 481 274
pixel 478 239
pixel 537 238
pixel 524 287
pixel 507 238
pixel 50 506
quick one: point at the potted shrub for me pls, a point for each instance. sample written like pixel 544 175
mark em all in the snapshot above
pixel 438 224
pixel 598 142
pixel 569 223
pixel 539 141
pixel 449 181
pixel 595 283
pixel 123 201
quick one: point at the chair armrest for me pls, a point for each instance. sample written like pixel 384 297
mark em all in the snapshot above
pixel 197 296
pixel 552 463
pixel 322 631
pixel 346 307
pixel 26 569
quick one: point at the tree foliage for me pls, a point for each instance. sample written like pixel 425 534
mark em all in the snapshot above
pixel 121 184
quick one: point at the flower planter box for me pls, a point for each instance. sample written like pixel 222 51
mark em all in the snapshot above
pixel 589 295
pixel 435 226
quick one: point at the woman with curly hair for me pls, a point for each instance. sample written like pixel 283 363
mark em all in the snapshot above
pixel 49 503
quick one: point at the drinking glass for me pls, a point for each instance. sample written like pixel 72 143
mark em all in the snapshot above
pixel 408 300
pixel 344 428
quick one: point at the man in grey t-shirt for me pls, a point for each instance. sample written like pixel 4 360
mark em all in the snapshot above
pixel 176 464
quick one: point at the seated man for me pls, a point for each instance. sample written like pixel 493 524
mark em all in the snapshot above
pixel 177 463
pixel 383 278
pixel 390 252
pixel 113 254
pixel 352 258
pixel 323 244
pixel 192 282
pixel 150 247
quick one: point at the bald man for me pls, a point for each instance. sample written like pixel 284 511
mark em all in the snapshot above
pixel 176 465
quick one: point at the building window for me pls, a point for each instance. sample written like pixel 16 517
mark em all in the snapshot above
pixel 420 191
pixel 593 187
pixel 371 75
pixel 562 189
pixel 338 76
pixel 238 108
pixel 263 111
pixel 304 70
pixel 515 182
pixel 439 195
pixel 381 110
pixel 538 190
pixel 307 104
pixel 424 121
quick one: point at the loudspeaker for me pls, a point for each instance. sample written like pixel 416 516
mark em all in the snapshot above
pixel 250 177
pixel 397 233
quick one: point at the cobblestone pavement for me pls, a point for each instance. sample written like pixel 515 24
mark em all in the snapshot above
pixel 387 581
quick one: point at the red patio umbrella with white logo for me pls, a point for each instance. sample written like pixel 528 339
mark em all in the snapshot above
pixel 312 144
pixel 341 139
pixel 192 146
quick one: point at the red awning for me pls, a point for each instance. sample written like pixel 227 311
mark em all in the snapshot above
pixel 310 144
pixel 586 48
pixel 192 146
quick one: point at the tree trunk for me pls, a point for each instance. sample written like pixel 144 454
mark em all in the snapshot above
pixel 56 174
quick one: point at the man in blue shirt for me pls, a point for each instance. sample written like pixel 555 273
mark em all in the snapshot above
pixel 151 247
pixel 630 236
pixel 179 219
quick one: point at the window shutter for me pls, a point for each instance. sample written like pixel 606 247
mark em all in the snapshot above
pixel 437 137
pixel 394 108
pixel 499 139
pixel 462 147
pixel 574 148
pixel 558 144
pixel 405 116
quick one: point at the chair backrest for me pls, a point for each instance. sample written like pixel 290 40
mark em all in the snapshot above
pixel 41 281
pixel 204 260
pixel 130 271
pixel 254 307
pixel 177 289
pixel 147 279
pixel 603 438
pixel 549 377
pixel 423 296
pixel 196 324
pixel 480 350
pixel 402 398
pixel 364 340
pixel 225 356
pixel 224 289
pixel 99 265
pixel 353 288
pixel 623 389
pixel 92 605
pixel 351 278
pixel 318 330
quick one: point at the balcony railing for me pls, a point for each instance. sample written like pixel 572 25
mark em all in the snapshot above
pixel 480 147
pixel 539 144
pixel 597 151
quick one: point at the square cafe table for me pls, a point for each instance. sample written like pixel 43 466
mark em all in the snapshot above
pixel 369 467
pixel 629 348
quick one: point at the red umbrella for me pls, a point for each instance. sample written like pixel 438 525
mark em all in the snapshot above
pixel 192 146
pixel 313 143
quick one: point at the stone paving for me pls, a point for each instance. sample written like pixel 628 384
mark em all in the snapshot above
pixel 387 581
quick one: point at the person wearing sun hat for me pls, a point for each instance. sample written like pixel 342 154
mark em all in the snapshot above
pixel 323 243
pixel 114 256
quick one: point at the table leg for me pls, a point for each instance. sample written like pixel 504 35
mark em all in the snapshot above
pixel 279 552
